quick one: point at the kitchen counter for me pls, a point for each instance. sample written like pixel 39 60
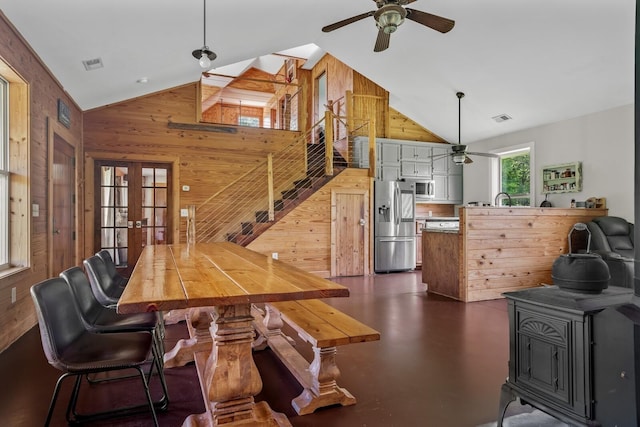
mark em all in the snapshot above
pixel 497 250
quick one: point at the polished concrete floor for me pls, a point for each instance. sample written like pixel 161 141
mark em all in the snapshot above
pixel 439 363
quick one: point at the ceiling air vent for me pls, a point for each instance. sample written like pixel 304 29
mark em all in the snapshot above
pixel 501 118
pixel 92 64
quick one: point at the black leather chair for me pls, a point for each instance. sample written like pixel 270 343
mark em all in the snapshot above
pixel 106 290
pixel 100 319
pixel 120 279
pixel 612 238
pixel 75 351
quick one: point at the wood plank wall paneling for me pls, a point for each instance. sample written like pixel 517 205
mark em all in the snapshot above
pixel 507 249
pixel 44 91
pixel 207 161
pixel 402 127
pixel 303 237
pixel 365 107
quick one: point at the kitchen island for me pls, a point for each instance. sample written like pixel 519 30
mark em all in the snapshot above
pixel 497 249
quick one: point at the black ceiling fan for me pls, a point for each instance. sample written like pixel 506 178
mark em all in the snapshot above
pixel 390 15
pixel 459 152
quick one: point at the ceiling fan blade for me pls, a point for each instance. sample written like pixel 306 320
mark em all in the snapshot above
pixel 436 22
pixel 467 160
pixel 382 41
pixel 495 156
pixel 347 21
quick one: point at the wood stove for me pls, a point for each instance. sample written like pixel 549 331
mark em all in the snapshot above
pixel 572 355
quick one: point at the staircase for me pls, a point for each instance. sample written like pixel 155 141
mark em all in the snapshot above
pixel 290 198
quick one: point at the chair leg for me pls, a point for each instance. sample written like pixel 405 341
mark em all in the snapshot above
pixel 163 403
pixel 54 397
pixel 148 393
pixel 73 400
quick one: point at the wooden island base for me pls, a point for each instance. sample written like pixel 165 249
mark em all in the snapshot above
pixel 498 250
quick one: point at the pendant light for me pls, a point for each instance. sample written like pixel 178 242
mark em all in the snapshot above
pixel 204 55
pixel 459 156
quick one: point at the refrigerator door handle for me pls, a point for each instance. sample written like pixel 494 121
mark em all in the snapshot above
pixel 396 239
pixel 397 206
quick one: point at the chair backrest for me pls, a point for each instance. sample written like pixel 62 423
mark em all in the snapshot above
pixel 616 235
pixel 58 318
pixel 89 307
pixel 105 255
pixel 102 284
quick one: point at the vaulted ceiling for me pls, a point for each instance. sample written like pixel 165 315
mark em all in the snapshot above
pixel 537 61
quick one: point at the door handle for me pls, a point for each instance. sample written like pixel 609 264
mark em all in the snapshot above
pixel 138 224
pixel 56 231
pixel 362 222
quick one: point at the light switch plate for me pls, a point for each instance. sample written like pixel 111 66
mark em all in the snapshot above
pixel 184 212
pixel 35 210
pixel 186 188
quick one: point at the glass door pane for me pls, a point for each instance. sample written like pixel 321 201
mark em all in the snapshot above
pixel 114 207
pixel 154 206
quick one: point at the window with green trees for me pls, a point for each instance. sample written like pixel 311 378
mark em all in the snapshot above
pixel 515 177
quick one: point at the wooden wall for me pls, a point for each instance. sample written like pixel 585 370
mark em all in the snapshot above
pixel 402 127
pixel 505 249
pixel 303 237
pixel 206 161
pixel 44 92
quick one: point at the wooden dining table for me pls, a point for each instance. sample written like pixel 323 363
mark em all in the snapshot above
pixel 222 280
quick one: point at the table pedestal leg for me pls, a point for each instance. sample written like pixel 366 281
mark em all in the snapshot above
pixel 229 377
pixel 198 321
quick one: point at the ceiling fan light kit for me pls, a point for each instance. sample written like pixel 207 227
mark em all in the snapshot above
pixel 389 16
pixel 204 55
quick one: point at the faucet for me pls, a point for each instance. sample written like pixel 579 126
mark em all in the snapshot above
pixel 495 202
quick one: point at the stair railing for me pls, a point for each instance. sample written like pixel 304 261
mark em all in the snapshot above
pixel 255 197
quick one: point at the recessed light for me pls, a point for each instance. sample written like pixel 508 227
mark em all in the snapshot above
pixel 142 80
pixel 501 118
pixel 92 64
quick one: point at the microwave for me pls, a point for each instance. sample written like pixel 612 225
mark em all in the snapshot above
pixel 425 189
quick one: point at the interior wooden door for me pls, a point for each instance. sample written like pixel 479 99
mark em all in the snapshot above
pixel 132 199
pixel 62 222
pixel 350 231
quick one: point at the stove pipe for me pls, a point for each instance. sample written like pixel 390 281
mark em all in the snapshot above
pixel 636 192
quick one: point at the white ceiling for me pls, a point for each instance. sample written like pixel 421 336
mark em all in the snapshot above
pixel 538 61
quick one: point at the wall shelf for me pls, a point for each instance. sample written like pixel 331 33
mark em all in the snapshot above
pixel 562 178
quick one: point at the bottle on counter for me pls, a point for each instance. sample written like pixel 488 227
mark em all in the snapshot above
pixel 573 203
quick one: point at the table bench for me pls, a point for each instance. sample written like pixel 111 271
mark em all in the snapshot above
pixel 325 328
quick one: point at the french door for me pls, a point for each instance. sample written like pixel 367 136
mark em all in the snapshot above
pixel 132 200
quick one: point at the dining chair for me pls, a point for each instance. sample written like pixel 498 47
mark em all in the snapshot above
pixel 100 319
pixel 120 279
pixel 72 349
pixel 106 290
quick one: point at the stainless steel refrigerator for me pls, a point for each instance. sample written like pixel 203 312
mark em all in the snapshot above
pixel 394 226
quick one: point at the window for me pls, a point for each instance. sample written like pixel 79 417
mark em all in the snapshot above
pixel 253 122
pixel 4 174
pixel 513 174
pixel 15 208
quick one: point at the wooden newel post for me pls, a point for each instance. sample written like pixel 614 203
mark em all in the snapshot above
pixel 328 143
pixel 372 147
pixel 272 210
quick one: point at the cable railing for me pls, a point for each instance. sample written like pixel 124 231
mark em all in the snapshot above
pixel 252 200
pixel 244 208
